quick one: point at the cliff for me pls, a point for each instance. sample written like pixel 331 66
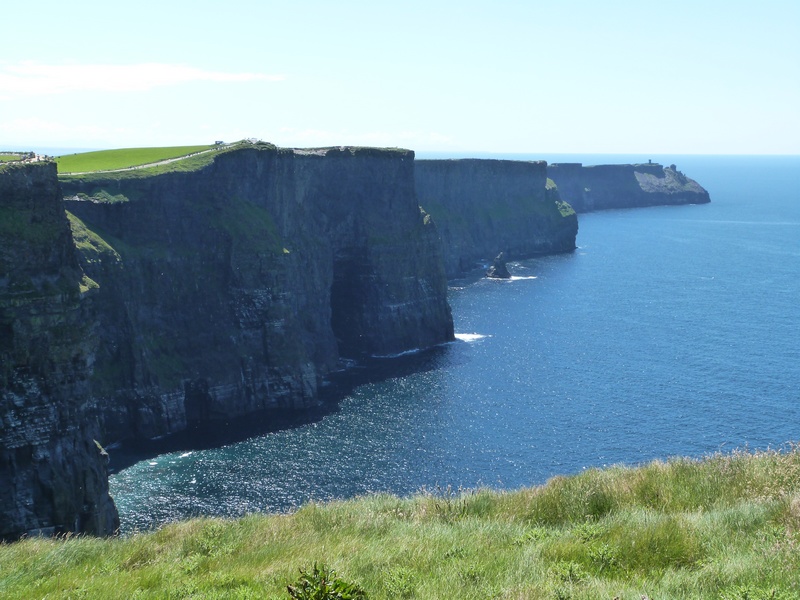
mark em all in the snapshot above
pixel 238 287
pixel 162 300
pixel 482 207
pixel 624 186
pixel 53 474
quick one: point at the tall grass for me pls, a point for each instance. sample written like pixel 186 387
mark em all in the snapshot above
pixel 724 527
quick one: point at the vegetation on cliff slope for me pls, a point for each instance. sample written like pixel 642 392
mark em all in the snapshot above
pixel 724 527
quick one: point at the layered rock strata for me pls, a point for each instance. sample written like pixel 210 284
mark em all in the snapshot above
pixel 238 287
pixel 53 476
pixel 157 301
pixel 482 207
pixel 599 187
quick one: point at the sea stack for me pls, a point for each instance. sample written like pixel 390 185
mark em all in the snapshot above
pixel 498 270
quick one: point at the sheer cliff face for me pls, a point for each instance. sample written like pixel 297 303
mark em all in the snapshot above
pixel 624 186
pixel 483 207
pixel 160 301
pixel 52 473
pixel 238 287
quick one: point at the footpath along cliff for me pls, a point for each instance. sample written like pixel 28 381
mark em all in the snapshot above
pixel 599 187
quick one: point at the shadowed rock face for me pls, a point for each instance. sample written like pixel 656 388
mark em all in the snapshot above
pixel 482 207
pixel 624 186
pixel 238 288
pixel 160 301
pixel 53 475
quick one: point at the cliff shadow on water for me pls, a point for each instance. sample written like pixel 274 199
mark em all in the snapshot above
pixel 337 386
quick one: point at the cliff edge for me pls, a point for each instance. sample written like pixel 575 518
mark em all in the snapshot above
pixel 600 187
pixel 53 476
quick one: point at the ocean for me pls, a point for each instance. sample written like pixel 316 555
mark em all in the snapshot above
pixel 670 331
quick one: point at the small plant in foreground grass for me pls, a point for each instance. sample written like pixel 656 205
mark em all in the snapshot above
pixel 604 557
pixel 323 584
pixel 747 592
pixel 400 583
pixel 569 572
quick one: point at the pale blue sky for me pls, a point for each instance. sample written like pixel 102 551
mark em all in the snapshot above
pixel 680 77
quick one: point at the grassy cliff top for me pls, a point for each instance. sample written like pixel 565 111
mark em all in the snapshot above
pixel 10 156
pixel 123 158
pixel 136 163
pixel 724 527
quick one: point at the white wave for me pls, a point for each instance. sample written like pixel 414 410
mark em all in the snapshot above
pixel 519 277
pixel 185 454
pixel 405 353
pixel 470 337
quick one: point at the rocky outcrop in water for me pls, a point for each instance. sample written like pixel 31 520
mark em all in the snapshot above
pixel 499 269
pixel 483 206
pixel 238 287
pixel 624 186
pixel 53 476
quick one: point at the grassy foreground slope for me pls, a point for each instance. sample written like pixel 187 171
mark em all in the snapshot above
pixel 725 527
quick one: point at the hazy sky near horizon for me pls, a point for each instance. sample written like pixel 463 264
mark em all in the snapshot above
pixel 566 76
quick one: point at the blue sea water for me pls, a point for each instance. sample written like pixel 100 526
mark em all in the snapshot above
pixel 671 331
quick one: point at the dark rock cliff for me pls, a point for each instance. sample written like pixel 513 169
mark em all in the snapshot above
pixel 53 475
pixel 160 301
pixel 482 207
pixel 624 186
pixel 165 300
pixel 237 288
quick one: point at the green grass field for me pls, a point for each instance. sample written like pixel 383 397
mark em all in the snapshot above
pixel 9 157
pixel 727 527
pixel 106 160
pixel 100 168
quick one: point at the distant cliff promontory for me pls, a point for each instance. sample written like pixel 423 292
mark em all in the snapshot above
pixel 588 188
